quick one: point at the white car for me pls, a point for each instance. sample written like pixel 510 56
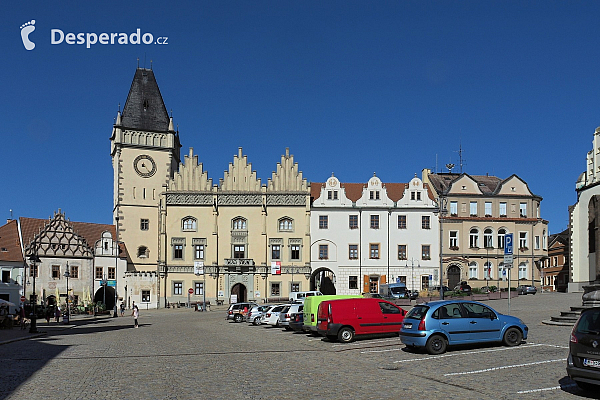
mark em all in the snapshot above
pixel 271 315
pixel 286 313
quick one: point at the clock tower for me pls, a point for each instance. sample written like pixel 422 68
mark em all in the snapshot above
pixel 145 154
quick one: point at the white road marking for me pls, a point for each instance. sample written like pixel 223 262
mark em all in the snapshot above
pixel 570 386
pixel 380 351
pixel 504 367
pixel 469 352
pixel 369 342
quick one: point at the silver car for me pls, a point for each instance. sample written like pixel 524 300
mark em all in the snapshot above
pixel 285 315
pixel 271 315
pixel 526 289
pixel 253 316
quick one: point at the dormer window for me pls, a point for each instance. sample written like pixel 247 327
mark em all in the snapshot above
pixel 332 195
pixel 374 195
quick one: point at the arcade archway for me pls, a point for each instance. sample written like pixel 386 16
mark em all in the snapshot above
pixel 106 295
pixel 323 279
pixel 240 290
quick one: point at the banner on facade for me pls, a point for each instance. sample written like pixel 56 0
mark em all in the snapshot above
pixel 198 267
pixel 257 295
pixel 276 268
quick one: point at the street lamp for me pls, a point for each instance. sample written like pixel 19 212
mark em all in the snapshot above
pixel 116 262
pixel 67 275
pixel 441 210
pixel 34 259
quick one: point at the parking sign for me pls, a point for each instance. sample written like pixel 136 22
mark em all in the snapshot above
pixel 508 244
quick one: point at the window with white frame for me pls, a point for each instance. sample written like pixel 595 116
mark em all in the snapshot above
pixel 353 252
pixel 453 240
pixel 144 224
pixel 198 288
pixel 286 225
pixel 323 222
pixel 275 252
pixel 332 195
pixel 275 289
pixel 488 238
pixel 523 240
pixel 323 252
pixel 502 209
pixel 472 270
pixel 238 224
pixel 522 270
pixel 374 250
pixel 501 270
pixel 188 224
pixel 295 252
pixel 374 221
pixel 453 208
pixel 487 270
pixel 177 288
pixel 537 242
pixel 488 208
pixel 425 222
pixel 501 234
pixel 145 296
pixel 199 252
pixel 544 240
pixel 239 251
pixel 473 208
pixel 523 209
pixel 474 238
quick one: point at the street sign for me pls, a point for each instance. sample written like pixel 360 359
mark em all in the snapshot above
pixel 23 298
pixel 508 244
pixel 198 267
pixel 190 290
pixel 508 261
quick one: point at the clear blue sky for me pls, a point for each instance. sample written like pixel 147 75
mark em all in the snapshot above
pixel 351 87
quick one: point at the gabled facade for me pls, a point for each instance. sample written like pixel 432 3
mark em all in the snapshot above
pixel 480 210
pixel 248 239
pixel 555 271
pixel 365 235
pixel 12 263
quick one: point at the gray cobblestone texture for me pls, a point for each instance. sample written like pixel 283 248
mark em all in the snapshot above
pixel 182 354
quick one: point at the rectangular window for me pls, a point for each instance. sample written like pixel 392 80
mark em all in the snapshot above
pixel 488 238
pixel 33 270
pixel 5 276
pixel 294 287
pixel 374 221
pixel 374 284
pixel 502 209
pixel 353 252
pixel 425 282
pixel 473 208
pixel 74 271
pixel 295 252
pixel 425 252
pixel 353 282
pixel 374 195
pixel 323 222
pixel 488 208
pixel 374 250
pixel 144 224
pixel 332 195
pixel 523 209
pixel 145 296
pixel 537 242
pixel 177 288
pixel 402 279
pixel 453 208
pixel 401 252
pixel 199 252
pixel 401 221
pixel 323 252
pixel 198 288
pixel 425 223
pixel 453 240
pixel 275 252
pixel 56 272
pixel 275 289
pixel 111 273
pixel 353 221
pixel 523 240
pixel 99 272
pixel 418 196
pixel 412 195
pixel 473 271
pixel 178 252
pixel 239 251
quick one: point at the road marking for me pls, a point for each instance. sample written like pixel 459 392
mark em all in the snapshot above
pixel 569 386
pixel 468 352
pixel 367 343
pixel 553 345
pixel 380 351
pixel 504 367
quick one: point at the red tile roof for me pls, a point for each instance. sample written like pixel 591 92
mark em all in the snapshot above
pixel 10 246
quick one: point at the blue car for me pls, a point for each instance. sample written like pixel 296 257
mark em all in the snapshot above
pixel 439 324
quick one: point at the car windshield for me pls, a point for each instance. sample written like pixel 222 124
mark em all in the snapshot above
pixel 398 290
pixel 589 323
pixel 418 312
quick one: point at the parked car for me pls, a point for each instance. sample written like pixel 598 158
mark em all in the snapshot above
pixel 526 289
pixel 253 316
pixel 238 311
pixel 298 297
pixel 311 307
pixel 445 289
pixel 297 321
pixel 394 290
pixel 583 362
pixel 439 324
pixel 286 314
pixel 271 315
pixel 347 318
pixel 463 287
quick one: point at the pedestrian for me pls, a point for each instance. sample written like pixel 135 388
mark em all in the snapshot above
pixel 135 314
pixel 48 314
pixel 122 309
pixel 22 317
pixel 57 314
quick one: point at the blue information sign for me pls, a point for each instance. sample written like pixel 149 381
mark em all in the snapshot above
pixel 508 244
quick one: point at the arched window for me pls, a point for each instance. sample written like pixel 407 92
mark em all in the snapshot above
pixel 188 224
pixel 487 270
pixel 488 238
pixel 474 237
pixel 143 252
pixel 286 224
pixel 473 270
pixel 238 224
pixel 523 270
pixel 501 233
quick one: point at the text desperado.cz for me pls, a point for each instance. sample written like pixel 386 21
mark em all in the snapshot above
pixel 57 36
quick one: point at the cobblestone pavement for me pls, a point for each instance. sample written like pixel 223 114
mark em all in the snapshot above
pixel 182 354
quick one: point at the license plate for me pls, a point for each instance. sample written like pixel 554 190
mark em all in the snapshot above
pixel 591 363
pixel 407 326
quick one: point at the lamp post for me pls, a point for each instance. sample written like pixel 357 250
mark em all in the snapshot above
pixel 441 211
pixel 34 259
pixel 67 275
pixel 116 261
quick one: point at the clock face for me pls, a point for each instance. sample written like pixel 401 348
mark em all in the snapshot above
pixel 145 166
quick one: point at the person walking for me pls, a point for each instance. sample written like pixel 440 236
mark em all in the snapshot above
pixel 122 309
pixel 57 314
pixel 135 314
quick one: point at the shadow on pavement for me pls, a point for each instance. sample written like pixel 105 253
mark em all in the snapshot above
pixel 569 386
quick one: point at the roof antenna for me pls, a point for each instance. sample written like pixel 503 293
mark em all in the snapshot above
pixel 138 63
pixel 461 161
pixel 150 65
pixel 450 166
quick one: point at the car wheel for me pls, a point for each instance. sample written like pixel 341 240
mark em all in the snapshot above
pixel 237 318
pixel 345 335
pixel 436 344
pixel 256 321
pixel 512 337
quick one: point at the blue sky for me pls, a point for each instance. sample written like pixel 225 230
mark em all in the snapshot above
pixel 351 87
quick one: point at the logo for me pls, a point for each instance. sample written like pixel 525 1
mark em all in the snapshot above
pixel 595 344
pixel 26 29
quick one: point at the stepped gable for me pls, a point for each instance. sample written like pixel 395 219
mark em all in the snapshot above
pixel 240 177
pixel 10 246
pixel 191 176
pixel 144 108
pixel 287 177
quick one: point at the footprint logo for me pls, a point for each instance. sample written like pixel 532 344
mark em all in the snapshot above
pixel 26 29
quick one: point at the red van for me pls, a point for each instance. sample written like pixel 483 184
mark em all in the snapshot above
pixel 344 319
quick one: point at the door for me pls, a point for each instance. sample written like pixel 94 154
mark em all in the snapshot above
pixel 239 289
pixel 453 276
pixel 451 321
pixel 485 325
pixel 392 317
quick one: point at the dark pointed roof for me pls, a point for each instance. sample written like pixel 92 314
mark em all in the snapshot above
pixel 145 109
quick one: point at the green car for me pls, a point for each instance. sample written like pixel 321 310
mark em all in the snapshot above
pixel 311 307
